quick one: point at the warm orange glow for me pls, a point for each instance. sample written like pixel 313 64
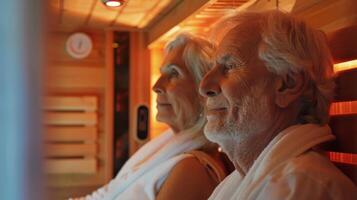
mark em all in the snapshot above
pixel 156 58
pixel 343 108
pixel 345 65
pixel 168 36
pixel 346 158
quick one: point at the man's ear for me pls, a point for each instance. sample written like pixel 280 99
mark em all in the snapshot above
pixel 288 88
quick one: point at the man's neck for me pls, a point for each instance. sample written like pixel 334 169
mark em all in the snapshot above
pixel 243 153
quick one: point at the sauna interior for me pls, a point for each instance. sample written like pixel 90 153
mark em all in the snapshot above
pixel 90 77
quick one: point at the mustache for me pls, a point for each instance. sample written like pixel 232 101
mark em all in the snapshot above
pixel 216 102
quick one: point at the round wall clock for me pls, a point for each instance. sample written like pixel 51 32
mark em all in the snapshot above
pixel 79 45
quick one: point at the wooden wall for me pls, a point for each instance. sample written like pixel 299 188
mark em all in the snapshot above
pixel 93 75
pixel 327 15
pixel 139 85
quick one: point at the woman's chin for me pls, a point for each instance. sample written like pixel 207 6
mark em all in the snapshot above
pixel 164 118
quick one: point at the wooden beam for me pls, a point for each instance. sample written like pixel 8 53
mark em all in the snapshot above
pixel 172 18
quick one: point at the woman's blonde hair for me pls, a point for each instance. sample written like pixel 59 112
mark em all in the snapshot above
pixel 197 53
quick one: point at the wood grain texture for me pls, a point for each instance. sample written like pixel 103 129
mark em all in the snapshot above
pixel 109 106
pixel 71 118
pixel 71 103
pixel 78 78
pixel 71 134
pixel 71 150
pixel 77 166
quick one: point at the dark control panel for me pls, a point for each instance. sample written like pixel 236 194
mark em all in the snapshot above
pixel 142 122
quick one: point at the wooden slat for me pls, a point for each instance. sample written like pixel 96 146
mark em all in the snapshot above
pixel 70 150
pixel 346 158
pixel 75 77
pixel 345 129
pixel 66 166
pixel 61 193
pixel 71 118
pixel 343 66
pixel 80 103
pixel 346 82
pixel 343 108
pixel 71 134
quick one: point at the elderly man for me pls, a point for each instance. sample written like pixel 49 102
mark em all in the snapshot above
pixel 268 97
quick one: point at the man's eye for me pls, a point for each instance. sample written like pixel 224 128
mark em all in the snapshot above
pixel 229 66
pixel 174 73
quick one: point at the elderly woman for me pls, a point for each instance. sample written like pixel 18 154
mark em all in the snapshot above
pixel 180 163
pixel 268 100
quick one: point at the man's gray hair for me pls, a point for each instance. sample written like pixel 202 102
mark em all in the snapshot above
pixel 197 53
pixel 289 46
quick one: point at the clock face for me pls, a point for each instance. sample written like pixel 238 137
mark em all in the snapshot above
pixel 79 45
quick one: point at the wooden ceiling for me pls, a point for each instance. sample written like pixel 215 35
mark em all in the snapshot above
pixel 134 14
pixel 140 14
pixel 200 21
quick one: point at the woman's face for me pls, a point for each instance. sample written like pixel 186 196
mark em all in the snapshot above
pixel 177 100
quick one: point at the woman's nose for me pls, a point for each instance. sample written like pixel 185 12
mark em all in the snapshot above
pixel 209 86
pixel 158 86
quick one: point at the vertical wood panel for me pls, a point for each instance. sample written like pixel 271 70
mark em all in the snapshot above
pixel 109 106
pixel 139 83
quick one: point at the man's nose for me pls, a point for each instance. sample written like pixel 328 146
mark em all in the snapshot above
pixel 209 86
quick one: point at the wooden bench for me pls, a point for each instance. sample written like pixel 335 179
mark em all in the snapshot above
pixel 71 134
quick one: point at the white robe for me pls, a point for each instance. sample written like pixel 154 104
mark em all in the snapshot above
pixel 144 173
pixel 289 169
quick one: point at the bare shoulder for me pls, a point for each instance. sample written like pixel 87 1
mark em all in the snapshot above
pixel 189 179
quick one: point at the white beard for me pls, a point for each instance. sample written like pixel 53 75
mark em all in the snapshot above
pixel 253 114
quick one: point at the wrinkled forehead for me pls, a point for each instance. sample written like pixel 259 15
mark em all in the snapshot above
pixel 241 41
